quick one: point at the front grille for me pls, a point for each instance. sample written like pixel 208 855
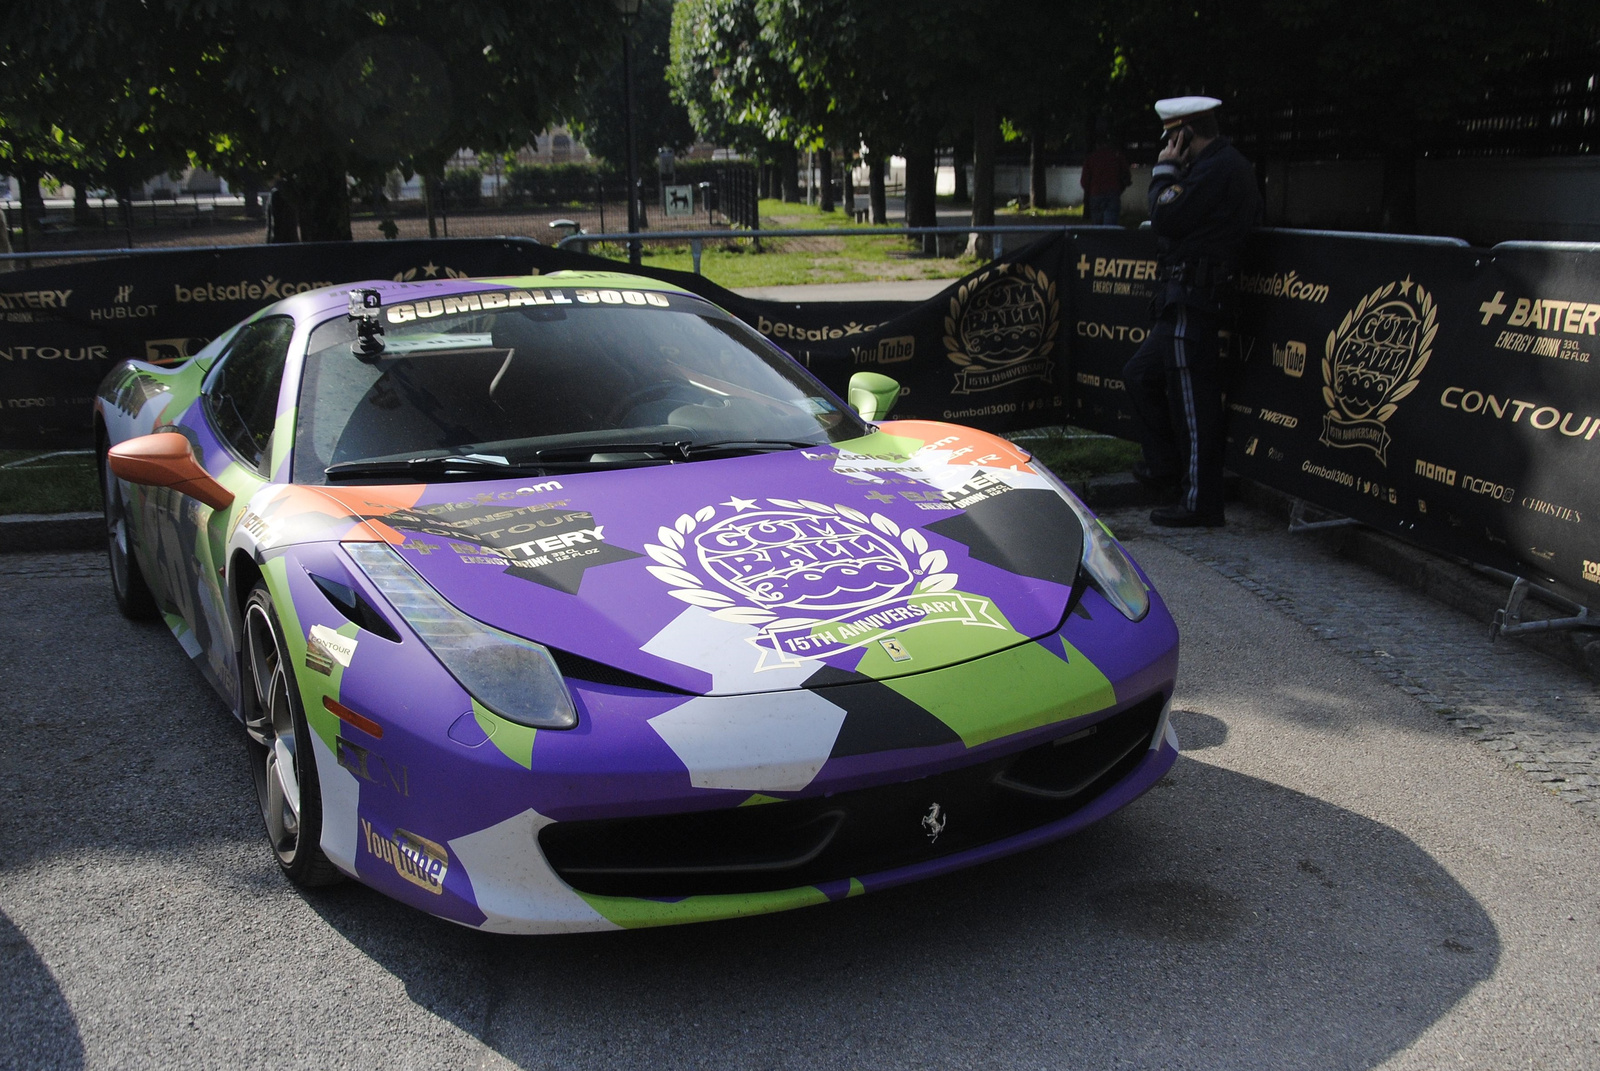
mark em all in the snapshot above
pixel 828 838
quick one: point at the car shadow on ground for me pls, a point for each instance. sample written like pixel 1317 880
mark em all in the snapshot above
pixel 1221 921
pixel 37 1027
pixel 1199 731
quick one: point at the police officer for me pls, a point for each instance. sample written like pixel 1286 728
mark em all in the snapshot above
pixel 1203 202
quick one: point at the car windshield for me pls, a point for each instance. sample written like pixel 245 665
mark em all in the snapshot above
pixel 524 377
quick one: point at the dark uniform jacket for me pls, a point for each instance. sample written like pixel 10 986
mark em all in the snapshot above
pixel 1202 214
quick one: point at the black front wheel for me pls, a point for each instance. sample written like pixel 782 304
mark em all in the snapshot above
pixel 282 759
pixel 127 580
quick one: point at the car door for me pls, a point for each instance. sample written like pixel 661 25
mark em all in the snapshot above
pixel 239 408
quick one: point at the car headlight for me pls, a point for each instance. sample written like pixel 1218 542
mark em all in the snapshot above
pixel 1108 565
pixel 514 677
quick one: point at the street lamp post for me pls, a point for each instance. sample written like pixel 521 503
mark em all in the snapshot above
pixel 629 10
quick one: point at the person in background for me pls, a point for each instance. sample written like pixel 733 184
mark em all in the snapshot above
pixel 5 241
pixel 1105 176
pixel 1203 204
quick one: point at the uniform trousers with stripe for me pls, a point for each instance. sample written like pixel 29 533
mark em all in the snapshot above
pixel 1174 386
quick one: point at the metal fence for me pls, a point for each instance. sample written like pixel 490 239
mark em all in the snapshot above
pixel 102 219
pixel 738 195
pixel 580 242
pixel 722 195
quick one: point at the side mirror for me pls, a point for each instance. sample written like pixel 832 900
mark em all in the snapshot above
pixel 872 395
pixel 165 459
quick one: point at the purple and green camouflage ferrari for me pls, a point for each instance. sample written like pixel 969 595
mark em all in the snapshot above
pixel 569 602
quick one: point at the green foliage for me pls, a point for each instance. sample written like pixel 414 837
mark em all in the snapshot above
pixel 754 72
pixel 659 121
pixel 1389 70
pixel 1075 455
pixel 109 93
pixel 304 94
pixel 552 184
pixel 735 90
pixel 462 187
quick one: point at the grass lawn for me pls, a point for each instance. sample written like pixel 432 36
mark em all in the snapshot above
pixel 1074 454
pixel 801 261
pixel 845 259
pixel 61 484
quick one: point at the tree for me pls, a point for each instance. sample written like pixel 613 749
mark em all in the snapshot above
pixel 843 71
pixel 736 90
pixel 368 90
pixel 313 93
pixel 659 120
pixel 914 78
pixel 65 113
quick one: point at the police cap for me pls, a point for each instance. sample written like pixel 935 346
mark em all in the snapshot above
pixel 1175 111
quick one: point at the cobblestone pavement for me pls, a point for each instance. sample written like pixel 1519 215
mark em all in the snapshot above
pixel 40 566
pixel 1539 715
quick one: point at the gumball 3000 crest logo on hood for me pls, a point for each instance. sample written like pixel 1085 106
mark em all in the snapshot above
pixel 1001 328
pixel 817 579
pixel 1372 361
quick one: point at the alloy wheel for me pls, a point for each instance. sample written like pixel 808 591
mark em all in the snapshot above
pixel 271 724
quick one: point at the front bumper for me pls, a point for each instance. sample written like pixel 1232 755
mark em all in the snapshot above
pixel 546 905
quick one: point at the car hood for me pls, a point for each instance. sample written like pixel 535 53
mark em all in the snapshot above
pixel 919 546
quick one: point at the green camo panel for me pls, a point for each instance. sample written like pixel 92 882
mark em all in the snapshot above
pixel 1009 692
pixel 631 913
pixel 880 444
pixel 312 685
pixel 514 741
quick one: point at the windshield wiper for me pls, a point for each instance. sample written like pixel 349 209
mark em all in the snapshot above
pixel 426 467
pixel 679 450
pixel 754 446
pixel 583 451
pixel 577 456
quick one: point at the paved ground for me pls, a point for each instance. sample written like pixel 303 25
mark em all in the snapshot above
pixel 1332 877
pixel 1537 714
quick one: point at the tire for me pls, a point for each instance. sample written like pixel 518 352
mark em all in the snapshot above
pixel 281 755
pixel 127 580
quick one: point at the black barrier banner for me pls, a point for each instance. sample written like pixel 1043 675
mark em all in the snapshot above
pixel 1341 345
pixel 1112 278
pixel 1429 389
pixel 1533 314
pixel 1432 390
